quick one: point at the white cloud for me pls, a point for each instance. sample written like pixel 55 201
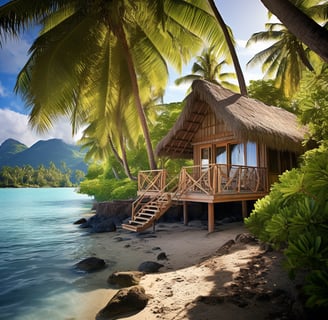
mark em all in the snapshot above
pixel 174 93
pixel 3 90
pixel 15 125
pixel 13 55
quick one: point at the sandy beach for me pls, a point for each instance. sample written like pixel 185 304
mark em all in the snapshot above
pixel 196 277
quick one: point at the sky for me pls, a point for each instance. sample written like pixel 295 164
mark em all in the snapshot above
pixel 244 18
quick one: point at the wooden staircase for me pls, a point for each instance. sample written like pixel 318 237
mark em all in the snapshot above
pixel 145 214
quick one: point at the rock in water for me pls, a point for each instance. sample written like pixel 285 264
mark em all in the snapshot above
pixel 149 267
pixel 126 302
pixel 91 264
pixel 81 221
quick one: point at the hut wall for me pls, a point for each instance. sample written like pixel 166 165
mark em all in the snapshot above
pixel 278 162
pixel 211 129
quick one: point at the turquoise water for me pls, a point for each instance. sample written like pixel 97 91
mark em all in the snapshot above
pixel 39 245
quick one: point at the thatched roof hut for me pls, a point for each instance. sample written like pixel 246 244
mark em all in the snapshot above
pixel 248 119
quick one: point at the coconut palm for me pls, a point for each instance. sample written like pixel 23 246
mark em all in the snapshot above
pixel 307 30
pixel 207 67
pixel 284 60
pixel 74 51
pixel 287 58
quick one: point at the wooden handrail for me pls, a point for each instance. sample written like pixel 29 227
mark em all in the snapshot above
pixel 218 178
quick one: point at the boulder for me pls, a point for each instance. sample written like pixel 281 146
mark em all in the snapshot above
pixel 126 302
pixel 162 256
pixel 91 264
pixel 80 221
pixel 150 267
pixel 100 223
pixel 125 278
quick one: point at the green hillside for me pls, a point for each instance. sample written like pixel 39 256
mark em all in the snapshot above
pixel 14 153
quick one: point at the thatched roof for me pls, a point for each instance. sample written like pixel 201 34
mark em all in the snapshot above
pixel 248 119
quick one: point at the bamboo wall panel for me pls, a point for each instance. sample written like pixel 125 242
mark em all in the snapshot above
pixel 211 129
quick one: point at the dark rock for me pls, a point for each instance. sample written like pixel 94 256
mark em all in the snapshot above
pixel 150 267
pixel 125 278
pixel 224 249
pixel 245 238
pixel 80 221
pixel 91 264
pixel 126 302
pixel 162 256
pixel 100 223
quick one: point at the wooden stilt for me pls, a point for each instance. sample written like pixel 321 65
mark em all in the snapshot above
pixel 244 208
pixel 185 213
pixel 210 217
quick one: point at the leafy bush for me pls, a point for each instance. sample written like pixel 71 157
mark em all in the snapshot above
pixel 109 189
pixel 294 217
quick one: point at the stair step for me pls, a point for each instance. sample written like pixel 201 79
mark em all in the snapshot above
pixel 131 222
pixel 129 227
pixel 145 214
pixel 142 218
pixel 148 209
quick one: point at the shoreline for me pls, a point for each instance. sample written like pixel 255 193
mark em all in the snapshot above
pixel 189 271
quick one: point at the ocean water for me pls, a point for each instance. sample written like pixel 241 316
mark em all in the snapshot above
pixel 39 245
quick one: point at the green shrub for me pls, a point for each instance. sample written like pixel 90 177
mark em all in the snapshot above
pixel 109 189
pixel 294 217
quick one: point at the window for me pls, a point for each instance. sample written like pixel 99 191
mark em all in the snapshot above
pixel 237 155
pixel 205 157
pixel 251 154
pixel 221 155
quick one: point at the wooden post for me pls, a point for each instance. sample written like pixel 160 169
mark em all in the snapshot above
pixel 210 213
pixel 185 213
pixel 244 208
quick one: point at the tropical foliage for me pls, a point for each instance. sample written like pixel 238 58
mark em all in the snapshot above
pixel 51 176
pixel 108 180
pixel 287 57
pixel 294 217
pixel 121 61
pixel 269 94
pixel 312 102
pixel 207 67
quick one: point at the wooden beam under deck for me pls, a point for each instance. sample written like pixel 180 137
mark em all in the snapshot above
pixel 217 198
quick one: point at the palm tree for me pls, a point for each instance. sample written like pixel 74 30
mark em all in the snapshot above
pixel 284 60
pixel 207 67
pixel 287 58
pixel 229 40
pixel 301 25
pixel 74 51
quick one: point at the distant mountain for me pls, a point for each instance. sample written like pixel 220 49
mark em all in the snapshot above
pixel 13 153
pixel 9 148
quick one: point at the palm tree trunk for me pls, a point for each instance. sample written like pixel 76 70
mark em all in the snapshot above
pixel 303 27
pixel 122 160
pixel 135 88
pixel 239 72
pixel 113 148
pixel 125 160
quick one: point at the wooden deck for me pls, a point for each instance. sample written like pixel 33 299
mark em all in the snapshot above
pixel 212 184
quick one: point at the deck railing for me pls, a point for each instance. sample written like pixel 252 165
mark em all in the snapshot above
pixel 222 178
pixel 151 180
pixel 210 180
